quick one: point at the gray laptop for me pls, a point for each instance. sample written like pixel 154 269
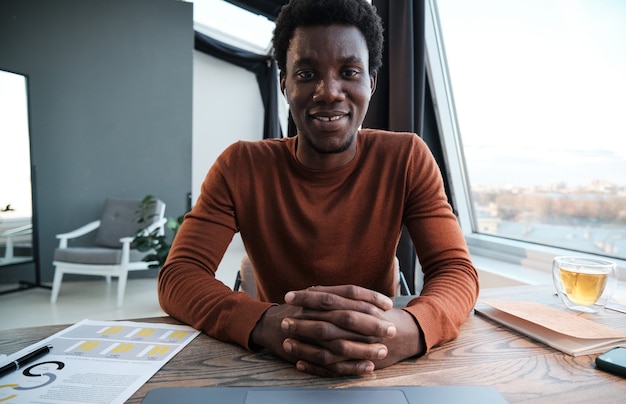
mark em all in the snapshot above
pixel 360 395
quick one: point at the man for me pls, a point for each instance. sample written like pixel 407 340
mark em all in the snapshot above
pixel 320 215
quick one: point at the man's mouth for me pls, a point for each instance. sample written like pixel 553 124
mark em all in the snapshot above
pixel 328 118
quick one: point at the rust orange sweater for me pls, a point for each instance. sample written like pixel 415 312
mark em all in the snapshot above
pixel 303 227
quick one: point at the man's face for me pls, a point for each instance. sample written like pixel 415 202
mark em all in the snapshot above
pixel 328 87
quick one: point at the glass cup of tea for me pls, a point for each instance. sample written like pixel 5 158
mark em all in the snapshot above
pixel 584 284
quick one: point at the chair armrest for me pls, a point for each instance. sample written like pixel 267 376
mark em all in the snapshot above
pixel 126 241
pixel 154 226
pixel 81 231
pixel 159 223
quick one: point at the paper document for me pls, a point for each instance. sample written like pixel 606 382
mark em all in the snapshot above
pixel 564 331
pixel 94 362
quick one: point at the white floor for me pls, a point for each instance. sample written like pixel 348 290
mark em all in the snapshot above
pixel 96 300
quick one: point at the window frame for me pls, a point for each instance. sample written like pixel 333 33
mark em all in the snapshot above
pixel 496 249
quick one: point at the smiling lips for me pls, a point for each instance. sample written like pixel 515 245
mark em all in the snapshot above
pixel 328 118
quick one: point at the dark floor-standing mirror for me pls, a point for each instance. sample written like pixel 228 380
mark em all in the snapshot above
pixel 16 198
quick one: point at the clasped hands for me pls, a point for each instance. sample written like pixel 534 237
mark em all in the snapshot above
pixel 338 330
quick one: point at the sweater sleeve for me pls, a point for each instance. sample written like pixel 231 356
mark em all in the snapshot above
pixel 450 280
pixel 187 287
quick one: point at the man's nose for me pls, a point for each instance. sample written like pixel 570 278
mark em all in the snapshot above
pixel 328 89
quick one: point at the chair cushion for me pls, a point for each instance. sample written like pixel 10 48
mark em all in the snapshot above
pixel 94 255
pixel 119 219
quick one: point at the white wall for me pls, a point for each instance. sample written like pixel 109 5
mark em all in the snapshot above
pixel 227 107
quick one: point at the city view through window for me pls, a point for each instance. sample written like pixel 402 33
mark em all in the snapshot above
pixel 539 89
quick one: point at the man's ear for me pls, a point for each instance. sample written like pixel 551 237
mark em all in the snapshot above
pixel 373 81
pixel 282 86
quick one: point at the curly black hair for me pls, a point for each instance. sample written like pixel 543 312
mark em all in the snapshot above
pixel 359 13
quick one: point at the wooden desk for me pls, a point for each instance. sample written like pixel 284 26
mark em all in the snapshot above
pixel 484 354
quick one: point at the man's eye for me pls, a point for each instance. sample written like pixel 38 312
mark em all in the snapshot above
pixel 351 72
pixel 305 74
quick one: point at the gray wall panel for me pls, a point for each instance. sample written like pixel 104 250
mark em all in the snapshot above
pixel 110 93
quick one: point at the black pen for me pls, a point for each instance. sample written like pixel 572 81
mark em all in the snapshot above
pixel 29 357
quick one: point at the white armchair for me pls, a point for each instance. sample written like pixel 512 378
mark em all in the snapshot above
pixel 112 255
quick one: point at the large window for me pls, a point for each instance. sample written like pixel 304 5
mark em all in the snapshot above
pixel 233 25
pixel 531 97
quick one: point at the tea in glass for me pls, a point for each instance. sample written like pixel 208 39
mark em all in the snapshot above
pixel 584 284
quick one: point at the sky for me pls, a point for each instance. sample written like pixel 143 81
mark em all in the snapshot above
pixel 555 109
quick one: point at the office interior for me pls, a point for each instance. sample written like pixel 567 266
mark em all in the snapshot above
pixel 122 105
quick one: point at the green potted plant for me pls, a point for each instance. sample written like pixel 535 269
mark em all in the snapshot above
pixel 153 242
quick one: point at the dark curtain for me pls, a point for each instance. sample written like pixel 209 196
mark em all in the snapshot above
pixel 291 127
pixel 398 103
pixel 263 66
